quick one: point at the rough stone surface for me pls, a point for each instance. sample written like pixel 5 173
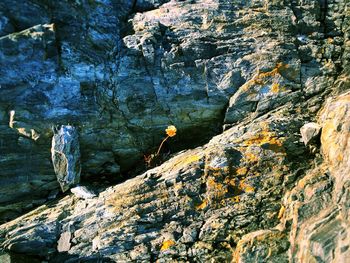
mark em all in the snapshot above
pixel 121 72
pixel 65 154
pixel 310 132
pixel 82 192
pixel 63 244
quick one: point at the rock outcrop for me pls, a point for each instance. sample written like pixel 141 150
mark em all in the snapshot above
pixel 120 72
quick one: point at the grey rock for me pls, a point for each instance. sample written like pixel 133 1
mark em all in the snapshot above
pixel 310 132
pixel 65 152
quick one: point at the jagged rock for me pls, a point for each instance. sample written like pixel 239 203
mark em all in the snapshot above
pixel 316 206
pixel 65 153
pixel 215 193
pixel 190 65
pixel 253 193
pixel 310 132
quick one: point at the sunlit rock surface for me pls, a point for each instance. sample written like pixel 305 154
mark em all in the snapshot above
pixel 253 73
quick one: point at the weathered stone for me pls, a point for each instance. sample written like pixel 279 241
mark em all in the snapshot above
pixel 262 246
pixel 63 244
pixel 82 192
pixel 310 132
pixel 65 152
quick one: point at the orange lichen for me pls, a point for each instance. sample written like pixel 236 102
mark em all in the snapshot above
pixel 250 157
pixel 246 187
pixel 218 188
pixel 261 78
pixel 275 87
pixel 203 205
pixel 242 170
pixel 262 138
pixel 230 181
pixel 267 139
pixel 167 244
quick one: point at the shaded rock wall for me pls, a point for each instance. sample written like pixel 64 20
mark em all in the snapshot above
pixel 87 65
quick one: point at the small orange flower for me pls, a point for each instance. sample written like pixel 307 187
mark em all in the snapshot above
pixel 171 131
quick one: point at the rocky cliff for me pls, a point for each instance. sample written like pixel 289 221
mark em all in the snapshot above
pixel 245 179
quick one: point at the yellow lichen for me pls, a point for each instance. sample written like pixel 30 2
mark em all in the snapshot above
pixel 281 212
pixel 262 138
pixel 246 187
pixel 261 78
pixel 203 205
pixel 266 138
pixel 242 170
pixel 250 157
pixel 167 244
pixel 185 160
pixel 275 87
pixel 191 159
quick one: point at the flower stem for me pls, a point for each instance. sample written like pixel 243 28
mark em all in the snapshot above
pixel 160 146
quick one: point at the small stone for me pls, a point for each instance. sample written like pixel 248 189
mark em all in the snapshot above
pixel 309 132
pixel 96 243
pixel 63 244
pixel 82 192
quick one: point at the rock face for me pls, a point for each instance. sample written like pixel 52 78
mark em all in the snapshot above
pixel 65 153
pixel 317 207
pixel 120 72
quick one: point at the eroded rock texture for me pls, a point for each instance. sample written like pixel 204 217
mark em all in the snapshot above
pixel 121 72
